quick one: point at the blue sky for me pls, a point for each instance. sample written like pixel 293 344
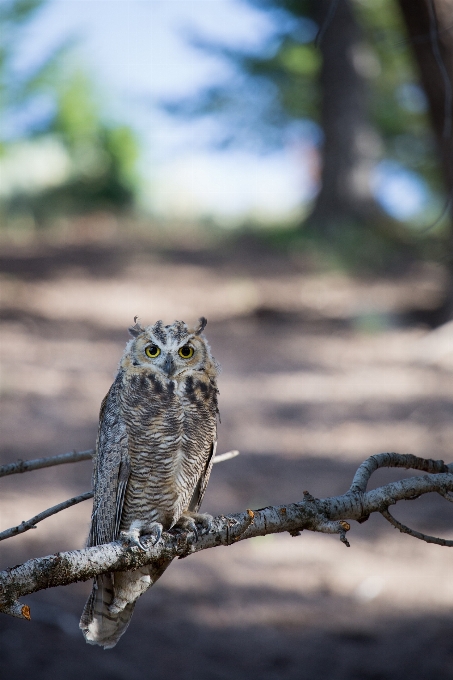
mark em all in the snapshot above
pixel 138 54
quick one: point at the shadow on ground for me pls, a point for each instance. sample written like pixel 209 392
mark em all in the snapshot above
pixel 318 373
pixel 164 642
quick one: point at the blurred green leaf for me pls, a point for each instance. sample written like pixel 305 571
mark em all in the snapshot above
pixel 58 99
pixel 302 60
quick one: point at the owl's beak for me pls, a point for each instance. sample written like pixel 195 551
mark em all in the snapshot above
pixel 169 365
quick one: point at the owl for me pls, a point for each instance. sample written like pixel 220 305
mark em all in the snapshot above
pixel 154 454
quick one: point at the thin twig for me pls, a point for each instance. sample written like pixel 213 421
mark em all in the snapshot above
pixel 72 457
pixel 393 460
pixel 31 523
pixel 329 515
pixel 58 460
pixel 222 457
pixel 29 465
pixel 416 534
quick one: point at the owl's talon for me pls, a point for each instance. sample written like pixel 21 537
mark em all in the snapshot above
pixel 132 539
pixel 155 533
pixel 136 538
pixel 187 524
pixel 204 519
pixel 152 536
pixel 207 522
pixel 189 521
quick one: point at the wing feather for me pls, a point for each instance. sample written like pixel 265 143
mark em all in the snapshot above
pixel 111 470
pixel 200 488
pixel 123 477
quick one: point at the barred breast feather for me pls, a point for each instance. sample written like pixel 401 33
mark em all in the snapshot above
pixel 172 430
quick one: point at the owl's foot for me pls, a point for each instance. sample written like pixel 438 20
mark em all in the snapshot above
pixel 153 533
pixel 132 537
pixel 189 520
pixel 187 524
pixel 136 535
pixel 202 518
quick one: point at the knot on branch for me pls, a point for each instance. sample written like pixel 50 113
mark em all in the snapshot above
pixel 318 519
pixel 326 526
pixel 236 527
pixel 18 610
pixel 328 515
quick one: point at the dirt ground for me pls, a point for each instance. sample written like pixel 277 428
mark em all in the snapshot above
pixel 320 370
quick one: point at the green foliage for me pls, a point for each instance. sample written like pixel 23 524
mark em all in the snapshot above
pixel 20 88
pixel 102 154
pixel 300 60
pixel 278 84
pixel 270 88
pixel 122 146
pixel 15 12
pixel 77 115
pixel 96 147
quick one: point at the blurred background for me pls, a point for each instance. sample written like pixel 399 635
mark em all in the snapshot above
pixel 286 170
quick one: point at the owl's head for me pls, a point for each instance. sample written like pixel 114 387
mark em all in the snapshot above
pixel 172 351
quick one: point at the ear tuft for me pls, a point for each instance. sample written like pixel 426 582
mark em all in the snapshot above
pixel 136 329
pixel 202 325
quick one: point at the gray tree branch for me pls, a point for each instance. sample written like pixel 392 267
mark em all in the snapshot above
pixel 37 463
pixel 31 523
pixel 329 515
pixel 72 457
pixel 416 534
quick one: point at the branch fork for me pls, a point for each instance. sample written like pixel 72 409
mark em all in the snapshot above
pixel 329 515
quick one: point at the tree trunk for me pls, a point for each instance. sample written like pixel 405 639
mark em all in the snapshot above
pixel 429 25
pixel 351 146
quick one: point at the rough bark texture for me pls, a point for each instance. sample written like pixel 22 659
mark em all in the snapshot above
pixel 329 515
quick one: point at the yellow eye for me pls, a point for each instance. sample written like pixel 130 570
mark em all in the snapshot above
pixel 186 352
pixel 152 351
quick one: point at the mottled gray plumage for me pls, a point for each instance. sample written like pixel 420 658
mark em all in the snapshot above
pixel 154 454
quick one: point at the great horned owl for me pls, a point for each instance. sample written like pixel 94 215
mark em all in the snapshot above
pixel 154 453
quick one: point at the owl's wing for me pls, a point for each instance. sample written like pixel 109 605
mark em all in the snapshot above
pixel 200 489
pixel 111 471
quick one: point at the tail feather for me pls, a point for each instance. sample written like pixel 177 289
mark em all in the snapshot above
pixel 99 625
pixel 108 610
